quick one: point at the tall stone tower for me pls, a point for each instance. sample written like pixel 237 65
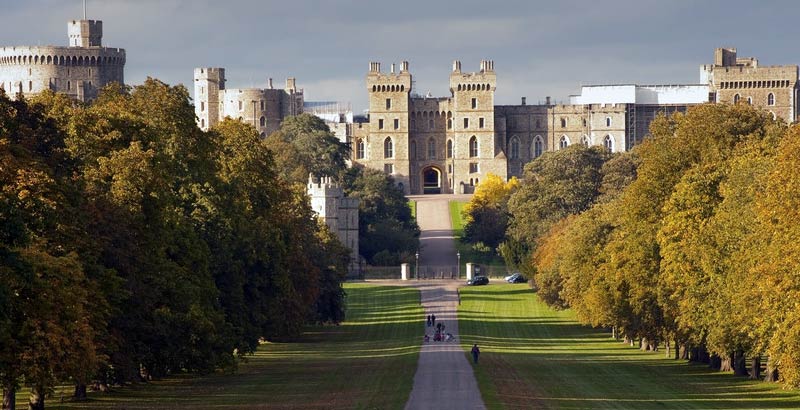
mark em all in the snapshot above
pixel 476 151
pixel 387 142
pixel 339 213
pixel 85 33
pixel 208 81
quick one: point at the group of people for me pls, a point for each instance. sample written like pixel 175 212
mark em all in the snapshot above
pixel 441 336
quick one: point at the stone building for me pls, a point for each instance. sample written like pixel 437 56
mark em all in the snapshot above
pixel 339 212
pixel 79 70
pixel 740 79
pixel 448 144
pixel 264 108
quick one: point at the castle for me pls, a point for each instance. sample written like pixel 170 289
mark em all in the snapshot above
pixel 448 144
pixel 339 212
pixel 79 70
pixel 264 108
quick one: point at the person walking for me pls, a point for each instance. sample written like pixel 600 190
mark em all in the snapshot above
pixel 428 322
pixel 433 319
pixel 475 353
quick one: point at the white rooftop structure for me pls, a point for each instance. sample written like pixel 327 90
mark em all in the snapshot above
pixel 682 94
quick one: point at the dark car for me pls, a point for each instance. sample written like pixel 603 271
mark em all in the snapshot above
pixel 478 280
pixel 516 278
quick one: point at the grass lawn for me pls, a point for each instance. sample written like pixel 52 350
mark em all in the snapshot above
pixel 413 206
pixel 366 363
pixel 535 357
pixel 494 264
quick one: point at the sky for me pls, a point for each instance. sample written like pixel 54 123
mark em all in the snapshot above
pixel 540 48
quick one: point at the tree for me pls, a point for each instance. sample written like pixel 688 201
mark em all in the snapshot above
pixel 486 214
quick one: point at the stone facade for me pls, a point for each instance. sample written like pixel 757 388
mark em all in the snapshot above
pixel 79 70
pixel 448 144
pixel 735 79
pixel 339 212
pixel 264 108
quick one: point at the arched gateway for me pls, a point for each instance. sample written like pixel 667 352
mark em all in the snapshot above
pixel 431 180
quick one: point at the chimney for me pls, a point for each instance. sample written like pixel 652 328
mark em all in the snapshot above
pixel 547 100
pixel 374 67
pixel 269 84
pixel 523 100
pixel 391 68
pixel 456 66
pixel 404 66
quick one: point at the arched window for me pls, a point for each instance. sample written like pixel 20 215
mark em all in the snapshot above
pixel 388 148
pixel 585 140
pixel 360 149
pixel 473 147
pixel 449 148
pixel 736 99
pixel 563 123
pixel 263 121
pixel 608 143
pixel 749 100
pixel 202 123
pixel 770 99
pixel 537 146
pixel 514 148
pixel 449 124
pixel 564 142
pixel 608 121
pixel 431 149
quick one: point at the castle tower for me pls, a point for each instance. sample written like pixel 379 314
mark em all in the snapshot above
pixel 208 82
pixel 387 142
pixel 338 212
pixel 476 150
pixel 85 33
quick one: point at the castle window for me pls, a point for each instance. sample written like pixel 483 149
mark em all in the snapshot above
pixel 749 100
pixel 380 124
pixel 413 150
pixel 474 103
pixel 202 123
pixel 537 146
pixel 736 99
pixel 396 123
pixel 69 85
pixel 585 140
pixel 449 148
pixel 30 85
pixel 563 123
pixel 360 149
pixel 608 121
pixel 770 99
pixel 538 123
pixel 466 122
pixel 431 149
pixel 388 103
pixel 514 148
pixel 388 148
pixel 202 106
pixel 473 167
pixel 480 122
pixel 449 124
pixel 240 105
pixel 564 142
pixel 262 105
pixel 608 143
pixel 388 168
pixel 473 147
pixel 430 124
pixel 263 121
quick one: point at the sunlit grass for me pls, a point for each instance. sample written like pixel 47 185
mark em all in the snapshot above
pixel 368 362
pixel 535 357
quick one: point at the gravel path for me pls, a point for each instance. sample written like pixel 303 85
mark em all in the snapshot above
pixel 444 378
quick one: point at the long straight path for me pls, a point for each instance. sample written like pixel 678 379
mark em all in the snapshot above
pixel 444 378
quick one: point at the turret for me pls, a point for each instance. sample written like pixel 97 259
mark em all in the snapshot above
pixel 208 81
pixel 85 33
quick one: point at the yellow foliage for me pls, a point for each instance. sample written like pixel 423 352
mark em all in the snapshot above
pixel 491 192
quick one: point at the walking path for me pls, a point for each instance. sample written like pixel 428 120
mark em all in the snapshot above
pixel 444 378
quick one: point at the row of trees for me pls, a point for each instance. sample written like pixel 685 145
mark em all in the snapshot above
pixel 134 245
pixel 688 241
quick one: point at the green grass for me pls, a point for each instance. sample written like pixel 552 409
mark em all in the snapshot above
pixel 535 357
pixel 413 206
pixel 493 264
pixel 367 362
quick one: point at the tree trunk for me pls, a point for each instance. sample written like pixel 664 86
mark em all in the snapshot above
pixel 614 333
pixel 681 352
pixel 643 344
pixel 36 401
pixel 9 398
pixel 739 363
pixel 772 371
pixel 714 362
pixel 726 363
pixel 666 348
pixel 80 392
pixel 755 367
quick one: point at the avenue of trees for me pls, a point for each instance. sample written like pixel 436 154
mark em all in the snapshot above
pixel 688 242
pixel 134 245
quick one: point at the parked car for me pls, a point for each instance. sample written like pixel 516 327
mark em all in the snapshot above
pixel 511 276
pixel 478 280
pixel 516 278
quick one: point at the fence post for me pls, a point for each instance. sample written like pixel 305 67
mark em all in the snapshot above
pixel 404 268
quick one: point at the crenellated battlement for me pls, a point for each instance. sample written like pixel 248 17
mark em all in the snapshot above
pixel 65 56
